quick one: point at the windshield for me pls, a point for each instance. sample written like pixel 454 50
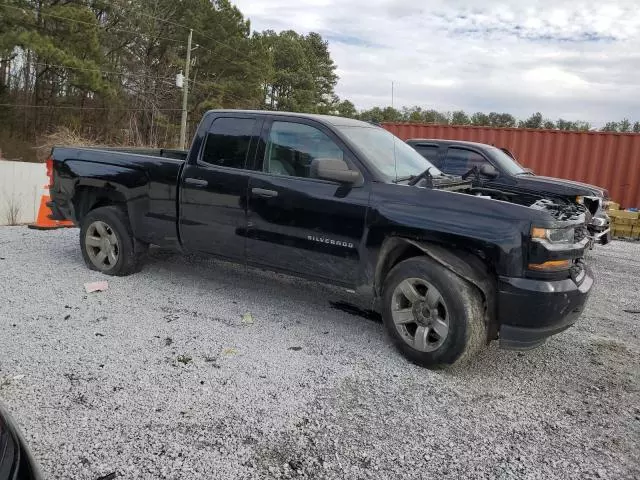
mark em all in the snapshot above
pixel 393 158
pixel 506 163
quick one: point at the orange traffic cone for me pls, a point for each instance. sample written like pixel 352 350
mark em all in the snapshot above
pixel 44 222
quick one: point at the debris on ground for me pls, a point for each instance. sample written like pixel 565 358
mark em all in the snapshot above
pixel 295 349
pixel 212 360
pixel 96 286
pixel 110 476
pixel 184 359
pixel 168 341
pixel 247 319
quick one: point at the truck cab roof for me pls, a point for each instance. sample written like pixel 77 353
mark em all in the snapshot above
pixel 466 143
pixel 328 120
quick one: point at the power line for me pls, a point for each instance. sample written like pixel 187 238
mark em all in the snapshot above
pixel 192 81
pixel 141 33
pixel 170 22
pixel 251 61
pixel 106 72
pixel 94 25
pixel 78 107
pixel 222 44
pixel 224 94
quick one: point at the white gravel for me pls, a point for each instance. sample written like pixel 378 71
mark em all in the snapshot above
pixel 98 382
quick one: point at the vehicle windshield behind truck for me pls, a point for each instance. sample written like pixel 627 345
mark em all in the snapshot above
pixel 393 158
pixel 505 162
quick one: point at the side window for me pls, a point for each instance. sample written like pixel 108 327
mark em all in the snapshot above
pixel 292 147
pixel 430 152
pixel 460 160
pixel 228 141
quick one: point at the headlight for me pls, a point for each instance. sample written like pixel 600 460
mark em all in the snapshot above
pixel 553 235
pixel 580 199
pixel 599 221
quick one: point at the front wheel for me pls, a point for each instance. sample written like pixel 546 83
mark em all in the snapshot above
pixel 434 317
pixel 108 244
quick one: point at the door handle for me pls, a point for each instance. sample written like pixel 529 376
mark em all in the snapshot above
pixel 196 182
pixel 261 192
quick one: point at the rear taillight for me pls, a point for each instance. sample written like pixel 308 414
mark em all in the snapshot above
pixel 49 164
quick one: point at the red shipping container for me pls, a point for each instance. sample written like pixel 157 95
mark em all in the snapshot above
pixel 609 160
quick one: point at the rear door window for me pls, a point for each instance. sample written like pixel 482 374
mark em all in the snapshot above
pixel 460 160
pixel 430 152
pixel 228 142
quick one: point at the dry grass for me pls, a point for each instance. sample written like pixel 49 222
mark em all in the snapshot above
pixel 63 136
pixel 12 212
pixel 609 345
pixel 67 137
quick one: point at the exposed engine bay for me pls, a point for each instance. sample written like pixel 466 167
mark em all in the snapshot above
pixel 560 209
pixel 570 211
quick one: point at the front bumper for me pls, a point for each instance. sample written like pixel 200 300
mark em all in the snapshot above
pixel 530 311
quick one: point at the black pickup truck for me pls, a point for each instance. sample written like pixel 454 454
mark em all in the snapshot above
pixel 492 167
pixel 450 267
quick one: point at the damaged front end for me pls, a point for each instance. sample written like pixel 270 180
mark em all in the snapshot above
pixel 547 285
pixel 551 295
pixel 555 252
pixel 598 222
pixel 562 211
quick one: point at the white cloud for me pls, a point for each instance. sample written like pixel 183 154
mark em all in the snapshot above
pixel 573 59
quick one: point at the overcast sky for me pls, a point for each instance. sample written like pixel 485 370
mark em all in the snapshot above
pixel 579 60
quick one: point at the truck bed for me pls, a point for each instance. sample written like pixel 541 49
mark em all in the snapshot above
pixel 145 180
pixel 174 154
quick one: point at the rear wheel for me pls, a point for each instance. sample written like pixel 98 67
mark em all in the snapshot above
pixel 107 242
pixel 434 317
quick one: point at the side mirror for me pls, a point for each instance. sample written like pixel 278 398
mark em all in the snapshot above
pixel 489 171
pixel 334 169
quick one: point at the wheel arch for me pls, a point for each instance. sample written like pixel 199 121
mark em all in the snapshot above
pixel 89 198
pixel 467 265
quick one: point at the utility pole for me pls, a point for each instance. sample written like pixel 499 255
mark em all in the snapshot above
pixel 391 93
pixel 185 94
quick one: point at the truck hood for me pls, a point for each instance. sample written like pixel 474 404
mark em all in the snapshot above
pixel 560 186
pixel 519 205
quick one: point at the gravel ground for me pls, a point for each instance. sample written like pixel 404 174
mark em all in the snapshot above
pixel 166 376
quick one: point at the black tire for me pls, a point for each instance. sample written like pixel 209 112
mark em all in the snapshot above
pixel 130 252
pixel 467 330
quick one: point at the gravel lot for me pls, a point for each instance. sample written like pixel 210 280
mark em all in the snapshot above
pixel 165 376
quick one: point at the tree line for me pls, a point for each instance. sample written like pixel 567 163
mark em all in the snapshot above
pixel 493 119
pixel 105 69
